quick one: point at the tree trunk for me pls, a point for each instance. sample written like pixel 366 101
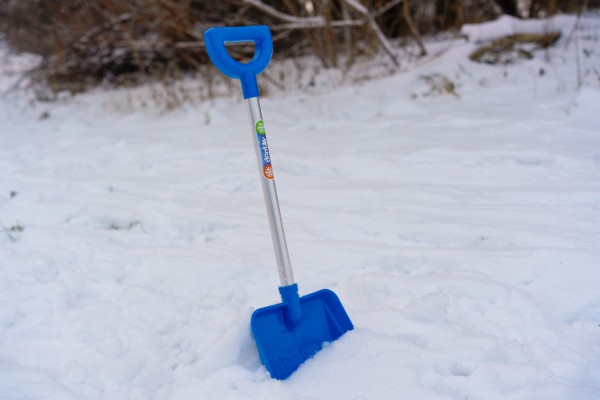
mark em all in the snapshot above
pixel 552 7
pixel 449 13
pixel 412 27
pixel 509 7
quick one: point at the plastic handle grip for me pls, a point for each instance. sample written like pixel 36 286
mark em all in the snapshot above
pixel 215 39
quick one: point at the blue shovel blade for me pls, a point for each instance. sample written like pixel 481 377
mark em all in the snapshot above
pixel 284 342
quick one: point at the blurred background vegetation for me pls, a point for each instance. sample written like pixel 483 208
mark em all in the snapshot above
pixel 87 42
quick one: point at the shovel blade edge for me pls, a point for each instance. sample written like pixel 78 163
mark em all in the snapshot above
pixel 283 346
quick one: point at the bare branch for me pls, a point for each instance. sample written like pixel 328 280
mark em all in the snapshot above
pixel 386 8
pixel 385 44
pixel 259 5
pixel 189 45
pixel 412 27
pixel 304 25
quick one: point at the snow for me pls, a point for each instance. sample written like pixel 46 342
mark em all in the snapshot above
pixel 507 25
pixel 461 233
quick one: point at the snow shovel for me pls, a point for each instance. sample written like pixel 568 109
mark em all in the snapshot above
pixel 289 333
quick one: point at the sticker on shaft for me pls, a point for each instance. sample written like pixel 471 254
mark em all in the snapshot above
pixel 263 148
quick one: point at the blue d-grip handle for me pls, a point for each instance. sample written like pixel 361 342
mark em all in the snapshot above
pixel 215 39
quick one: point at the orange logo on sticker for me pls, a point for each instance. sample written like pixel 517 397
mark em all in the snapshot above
pixel 268 172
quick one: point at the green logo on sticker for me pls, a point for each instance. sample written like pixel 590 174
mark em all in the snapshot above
pixel 260 127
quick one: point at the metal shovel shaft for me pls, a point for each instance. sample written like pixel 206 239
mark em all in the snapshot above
pixel 263 157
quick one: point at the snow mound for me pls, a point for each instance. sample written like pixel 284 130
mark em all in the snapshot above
pixel 507 25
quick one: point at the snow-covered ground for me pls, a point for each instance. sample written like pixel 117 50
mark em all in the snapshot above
pixel 461 232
